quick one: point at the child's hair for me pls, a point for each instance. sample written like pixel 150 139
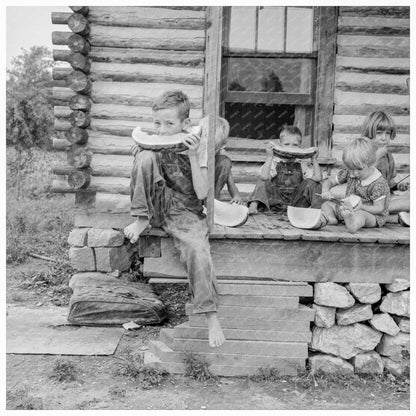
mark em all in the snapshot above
pixel 290 131
pixel 222 131
pixel 359 153
pixel 173 99
pixel 378 120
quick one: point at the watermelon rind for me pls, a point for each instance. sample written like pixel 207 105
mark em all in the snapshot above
pixel 305 218
pixel 229 215
pixel 288 152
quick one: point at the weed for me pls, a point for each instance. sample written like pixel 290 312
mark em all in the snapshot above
pixel 197 367
pixel 20 399
pixel 63 371
pixel 133 366
pixel 174 297
pixel 270 374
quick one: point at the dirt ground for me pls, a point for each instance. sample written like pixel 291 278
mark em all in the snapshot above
pixel 97 384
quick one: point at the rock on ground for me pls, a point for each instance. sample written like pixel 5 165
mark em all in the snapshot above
pixel 365 292
pixel 329 364
pixel 105 238
pixel 345 341
pixel 368 363
pixel 398 368
pixel 332 294
pixel 357 313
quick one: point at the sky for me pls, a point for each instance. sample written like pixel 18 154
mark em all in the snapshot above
pixel 30 26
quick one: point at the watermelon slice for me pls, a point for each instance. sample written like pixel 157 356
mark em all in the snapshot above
pixel 229 215
pixel 288 152
pixel 306 218
pixel 158 143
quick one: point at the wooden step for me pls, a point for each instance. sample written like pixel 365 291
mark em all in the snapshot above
pixel 303 313
pixel 185 330
pixel 271 348
pixel 264 288
pixel 281 302
pixel 244 322
pixel 226 364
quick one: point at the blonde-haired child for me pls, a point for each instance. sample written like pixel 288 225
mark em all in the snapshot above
pixel 364 180
pixel 223 173
pixel 379 126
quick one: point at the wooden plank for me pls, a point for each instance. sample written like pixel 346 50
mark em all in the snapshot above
pixel 251 229
pixel 268 97
pixel 368 108
pixel 147 56
pixel 297 260
pixel 373 22
pixel 140 94
pixel 400 234
pixel 328 17
pixel 150 246
pixel 401 122
pixel 342 138
pixel 146 17
pixel 357 98
pixel 373 51
pixel 131 37
pixel 218 231
pixel 395 11
pixel 372 31
pixel 384 65
pixel 267 228
pixel 280 222
pixel 127 72
pixel 402 43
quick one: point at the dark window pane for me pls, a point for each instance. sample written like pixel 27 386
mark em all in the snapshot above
pixel 269 75
pixel 242 28
pixel 271 32
pixel 299 29
pixel 258 121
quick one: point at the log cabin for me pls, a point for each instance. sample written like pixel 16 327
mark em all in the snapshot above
pixel 323 69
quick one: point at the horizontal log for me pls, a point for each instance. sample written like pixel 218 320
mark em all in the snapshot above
pixel 400 139
pixel 115 203
pixel 147 56
pixel 118 127
pixel 130 37
pixel 402 122
pixel 383 65
pixel 79 24
pixel 147 17
pixel 80 9
pixel 60 18
pixel 367 109
pixel 357 98
pixel 117 72
pixel 78 157
pixel 76 135
pixel 374 31
pixel 60 124
pixel 112 185
pixel 61 95
pixel 373 51
pixel 61 73
pixel 60 83
pixel 79 44
pixel 141 94
pixel 61 111
pixel 374 41
pixel 373 22
pixel 60 38
pixel 375 11
pixel 345 128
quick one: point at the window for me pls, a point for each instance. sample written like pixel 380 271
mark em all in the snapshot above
pixel 269 70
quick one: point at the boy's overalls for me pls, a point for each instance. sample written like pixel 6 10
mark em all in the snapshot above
pixel 161 189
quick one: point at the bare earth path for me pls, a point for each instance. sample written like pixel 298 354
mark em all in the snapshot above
pixel 98 386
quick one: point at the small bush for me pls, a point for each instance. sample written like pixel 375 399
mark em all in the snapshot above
pixel 63 371
pixel 197 367
pixel 133 367
pixel 20 399
pixel 270 374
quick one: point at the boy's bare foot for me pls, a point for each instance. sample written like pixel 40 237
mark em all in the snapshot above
pixel 215 334
pixel 133 231
pixel 252 208
pixel 349 220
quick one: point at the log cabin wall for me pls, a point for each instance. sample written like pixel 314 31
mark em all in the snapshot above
pixel 372 67
pixel 130 56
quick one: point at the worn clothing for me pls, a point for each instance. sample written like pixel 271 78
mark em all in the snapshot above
pixel 287 186
pixel 161 189
pixel 222 172
pixel 371 189
pixel 387 167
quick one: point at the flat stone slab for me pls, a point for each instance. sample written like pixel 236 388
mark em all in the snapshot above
pixel 300 314
pixel 280 302
pixel 46 331
pixel 247 322
pixel 226 364
pixel 186 331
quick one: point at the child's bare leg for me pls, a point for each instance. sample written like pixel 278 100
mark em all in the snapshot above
pixel 398 204
pixel 215 335
pixel 252 207
pixel 354 220
pixel 327 216
pixel 133 231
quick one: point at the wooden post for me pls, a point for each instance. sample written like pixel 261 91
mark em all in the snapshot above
pixel 213 53
pixel 324 104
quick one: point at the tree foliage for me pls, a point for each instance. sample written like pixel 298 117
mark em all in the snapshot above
pixel 29 109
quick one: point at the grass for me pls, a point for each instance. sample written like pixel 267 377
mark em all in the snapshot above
pixel 21 399
pixel 64 371
pixel 133 366
pixel 197 367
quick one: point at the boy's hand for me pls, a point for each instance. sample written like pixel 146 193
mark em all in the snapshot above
pixel 403 186
pixel 236 200
pixel 192 143
pixel 269 149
